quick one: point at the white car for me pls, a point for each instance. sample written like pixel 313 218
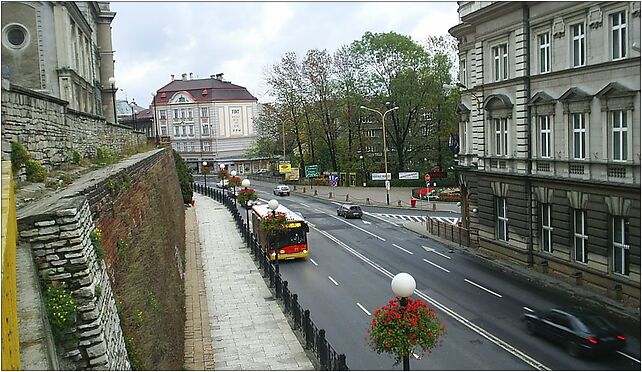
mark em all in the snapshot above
pixel 281 190
pixel 222 184
pixel 262 171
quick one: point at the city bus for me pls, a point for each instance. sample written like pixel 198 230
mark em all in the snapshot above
pixel 291 245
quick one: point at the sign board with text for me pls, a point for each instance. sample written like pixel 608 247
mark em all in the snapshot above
pixel 285 167
pixel 438 174
pixel 408 175
pixel 311 171
pixel 380 176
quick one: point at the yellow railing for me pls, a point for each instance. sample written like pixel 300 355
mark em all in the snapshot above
pixel 10 339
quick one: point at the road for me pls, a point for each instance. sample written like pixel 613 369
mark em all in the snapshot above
pixel 348 274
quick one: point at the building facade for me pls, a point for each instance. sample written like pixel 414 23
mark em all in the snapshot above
pixel 208 120
pixel 549 158
pixel 62 49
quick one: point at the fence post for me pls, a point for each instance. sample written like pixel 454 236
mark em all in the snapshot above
pixel 322 350
pixel 295 310
pixel 277 284
pixel 307 329
pixel 286 296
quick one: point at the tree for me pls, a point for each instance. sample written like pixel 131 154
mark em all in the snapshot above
pixel 185 178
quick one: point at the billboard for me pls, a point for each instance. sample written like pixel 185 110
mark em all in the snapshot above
pixel 285 167
pixel 408 175
pixel 293 175
pixel 380 176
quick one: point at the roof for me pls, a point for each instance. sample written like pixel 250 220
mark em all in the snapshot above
pixel 204 90
pixel 263 211
pixel 124 108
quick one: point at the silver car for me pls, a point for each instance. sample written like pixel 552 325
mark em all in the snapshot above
pixel 281 190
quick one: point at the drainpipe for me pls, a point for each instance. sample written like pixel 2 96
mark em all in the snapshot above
pixel 529 153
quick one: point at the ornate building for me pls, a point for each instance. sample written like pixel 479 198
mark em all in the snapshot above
pixel 208 120
pixel 550 137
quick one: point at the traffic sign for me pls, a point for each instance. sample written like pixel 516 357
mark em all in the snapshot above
pixel 427 177
pixel 311 171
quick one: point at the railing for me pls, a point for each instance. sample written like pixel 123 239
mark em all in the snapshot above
pixel 315 341
pixel 451 232
pixel 10 339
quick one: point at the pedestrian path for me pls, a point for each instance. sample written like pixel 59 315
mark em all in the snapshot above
pixel 248 328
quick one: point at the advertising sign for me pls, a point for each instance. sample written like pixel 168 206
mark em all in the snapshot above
pixel 311 171
pixel 408 175
pixel 293 175
pixel 285 167
pixel 380 176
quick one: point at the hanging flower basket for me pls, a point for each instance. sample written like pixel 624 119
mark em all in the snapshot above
pixel 246 195
pixel 274 226
pixel 222 174
pixel 234 181
pixel 399 331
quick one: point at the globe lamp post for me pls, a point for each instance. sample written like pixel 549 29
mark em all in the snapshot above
pixel 233 174
pixel 403 286
pixel 273 205
pixel 246 183
pixel 205 173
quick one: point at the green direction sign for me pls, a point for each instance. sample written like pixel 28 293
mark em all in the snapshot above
pixel 311 171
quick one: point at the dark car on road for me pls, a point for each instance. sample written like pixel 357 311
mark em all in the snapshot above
pixel 349 211
pixel 579 331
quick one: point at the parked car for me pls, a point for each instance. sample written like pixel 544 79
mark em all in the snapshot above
pixel 222 184
pixel 281 190
pixel 263 170
pixel 349 211
pixel 579 331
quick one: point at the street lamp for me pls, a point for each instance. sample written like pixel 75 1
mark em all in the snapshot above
pixel 112 81
pixel 403 286
pixel 233 174
pixel 132 105
pixel 205 173
pixel 385 149
pixel 246 183
pixel 273 205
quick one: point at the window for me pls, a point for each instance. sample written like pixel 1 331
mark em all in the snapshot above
pixel 370 149
pixel 162 114
pixel 189 113
pixel 191 130
pixel 502 219
pixel 181 146
pixel 618 35
pixel 203 112
pixel 545 136
pixel 206 130
pixel 579 232
pixel 620 246
pixel 578 49
pixel 501 136
pixel 579 136
pixel 544 52
pixel 176 131
pixel 462 71
pixel 620 146
pixel 163 131
pixel 206 146
pixel 175 113
pixel 183 130
pixel 500 62
pixel 546 230
pixel 15 36
pixel 371 133
pixel 464 139
pixel 182 113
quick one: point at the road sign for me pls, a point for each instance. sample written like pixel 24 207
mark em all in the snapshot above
pixel 427 178
pixel 387 185
pixel 333 179
pixel 380 176
pixel 311 171
pixel 408 175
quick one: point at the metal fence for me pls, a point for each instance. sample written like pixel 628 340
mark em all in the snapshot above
pixel 451 232
pixel 315 341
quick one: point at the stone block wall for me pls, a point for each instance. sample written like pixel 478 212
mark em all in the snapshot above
pixel 50 131
pixel 62 249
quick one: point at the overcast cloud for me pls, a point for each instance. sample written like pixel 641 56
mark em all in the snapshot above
pixel 153 40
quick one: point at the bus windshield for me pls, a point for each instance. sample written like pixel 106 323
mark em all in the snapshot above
pixel 293 236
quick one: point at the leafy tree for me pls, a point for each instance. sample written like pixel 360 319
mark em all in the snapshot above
pixel 185 178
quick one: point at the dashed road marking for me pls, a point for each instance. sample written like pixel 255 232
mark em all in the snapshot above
pixel 364 309
pixel 527 309
pixel 333 281
pixel 313 262
pixel 428 249
pixel 437 266
pixel 485 289
pixel 628 356
pixel 405 250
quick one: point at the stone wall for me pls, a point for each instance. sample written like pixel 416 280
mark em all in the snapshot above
pixel 50 131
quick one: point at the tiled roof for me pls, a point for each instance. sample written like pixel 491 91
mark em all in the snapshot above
pixel 214 89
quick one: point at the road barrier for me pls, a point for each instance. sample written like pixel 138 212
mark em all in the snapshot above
pixel 327 358
pixel 450 232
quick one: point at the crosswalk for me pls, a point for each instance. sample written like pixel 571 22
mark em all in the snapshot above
pixel 407 217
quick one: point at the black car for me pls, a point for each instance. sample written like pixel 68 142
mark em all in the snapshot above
pixel 580 332
pixel 349 210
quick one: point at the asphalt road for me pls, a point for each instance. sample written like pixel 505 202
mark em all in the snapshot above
pixel 348 274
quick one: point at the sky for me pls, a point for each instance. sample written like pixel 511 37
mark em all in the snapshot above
pixel 153 40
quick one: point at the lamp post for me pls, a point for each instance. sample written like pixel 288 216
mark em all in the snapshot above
pixel 233 174
pixel 273 205
pixel 403 286
pixel 385 149
pixel 246 183
pixel 112 81
pixel 132 105
pixel 205 173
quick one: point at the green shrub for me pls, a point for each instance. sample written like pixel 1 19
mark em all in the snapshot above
pixel 19 156
pixel 60 308
pixel 185 178
pixel 96 237
pixel 35 171
pixel 76 157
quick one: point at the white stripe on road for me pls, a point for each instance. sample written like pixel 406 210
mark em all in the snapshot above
pixel 628 356
pixel 315 264
pixel 416 356
pixel 437 266
pixel 355 226
pixel 364 309
pixel 485 289
pixel 527 309
pixel 305 205
pixel 474 327
pixel 434 251
pixel 333 281
pixel 405 250
pixel 379 218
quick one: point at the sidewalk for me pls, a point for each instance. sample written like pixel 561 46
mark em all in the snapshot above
pixel 247 328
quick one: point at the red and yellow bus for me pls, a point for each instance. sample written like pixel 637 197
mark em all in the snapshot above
pixel 293 243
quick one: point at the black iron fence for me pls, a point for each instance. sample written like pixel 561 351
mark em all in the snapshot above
pixel 451 232
pixel 302 323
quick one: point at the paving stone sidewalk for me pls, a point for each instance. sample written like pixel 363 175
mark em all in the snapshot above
pixel 248 328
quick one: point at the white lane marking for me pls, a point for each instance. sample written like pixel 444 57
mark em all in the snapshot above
pixel 405 250
pixel 428 249
pixel 364 309
pixel 474 327
pixel 305 205
pixel 628 356
pixel 527 309
pixel 314 263
pixel 333 281
pixel 416 356
pixel 355 226
pixel 437 266
pixel 485 289
pixel 336 203
pixel 366 222
pixel 382 219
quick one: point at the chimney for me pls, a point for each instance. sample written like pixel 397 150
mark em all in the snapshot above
pixel 219 76
pixel 190 76
pixel 184 76
pixel 172 75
